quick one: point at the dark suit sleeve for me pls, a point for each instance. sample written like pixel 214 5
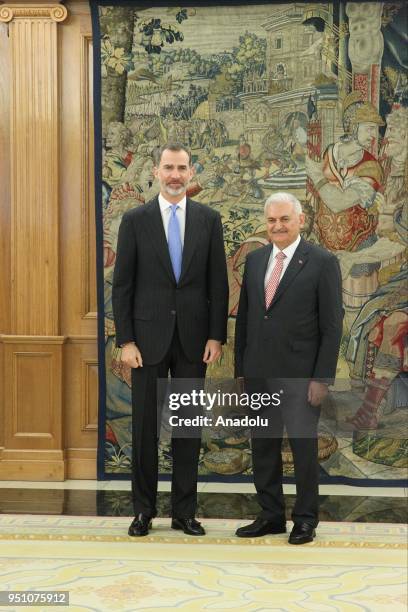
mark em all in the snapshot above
pixel 241 327
pixel 217 283
pixel 124 282
pixel 330 321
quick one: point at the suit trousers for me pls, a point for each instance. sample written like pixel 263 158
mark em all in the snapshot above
pixel 300 420
pixel 145 435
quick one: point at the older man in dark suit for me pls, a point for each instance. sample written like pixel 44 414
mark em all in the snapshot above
pixel 288 328
pixel 170 301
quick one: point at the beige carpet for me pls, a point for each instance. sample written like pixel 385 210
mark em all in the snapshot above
pixel 350 567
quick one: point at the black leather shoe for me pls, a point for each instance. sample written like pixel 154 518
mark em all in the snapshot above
pixel 302 533
pixel 259 528
pixel 190 526
pixel 140 525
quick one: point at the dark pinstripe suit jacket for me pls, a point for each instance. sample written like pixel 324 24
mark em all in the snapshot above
pixel 146 299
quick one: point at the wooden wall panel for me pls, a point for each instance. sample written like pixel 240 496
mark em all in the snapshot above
pixel 89 394
pixel 32 403
pixel 32 347
pixel 80 400
pixel 33 392
pixel 33 407
pixel 5 234
pixel 2 398
pixel 78 288
pixel 34 174
pixel 81 393
pixel 88 236
pixel 78 304
pixel 48 347
pixel 5 277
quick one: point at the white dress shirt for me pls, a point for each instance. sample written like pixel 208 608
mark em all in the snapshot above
pixel 289 252
pixel 165 209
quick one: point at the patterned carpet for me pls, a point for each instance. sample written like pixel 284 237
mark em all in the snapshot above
pixel 350 567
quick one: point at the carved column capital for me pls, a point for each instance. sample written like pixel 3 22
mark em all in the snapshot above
pixel 54 12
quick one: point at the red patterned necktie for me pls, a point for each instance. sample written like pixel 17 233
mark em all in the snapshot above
pixel 274 278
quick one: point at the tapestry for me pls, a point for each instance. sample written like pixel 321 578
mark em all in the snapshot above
pixel 310 98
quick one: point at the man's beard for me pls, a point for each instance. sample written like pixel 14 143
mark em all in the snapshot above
pixel 175 191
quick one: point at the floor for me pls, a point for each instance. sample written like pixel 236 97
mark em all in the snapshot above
pixel 350 567
pixel 72 537
pixel 215 500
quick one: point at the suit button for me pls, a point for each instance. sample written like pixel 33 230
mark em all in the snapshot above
pixel 173 312
pixel 266 317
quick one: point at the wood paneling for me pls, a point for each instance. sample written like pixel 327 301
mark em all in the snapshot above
pixel 33 390
pixel 88 237
pixel 2 396
pixel 5 278
pixel 89 394
pixel 78 282
pixel 32 465
pixel 33 405
pixel 48 350
pixel 32 398
pixel 34 169
pixel 81 401
pixel 32 348
pixel 5 234
pixel 81 463
pixel 78 305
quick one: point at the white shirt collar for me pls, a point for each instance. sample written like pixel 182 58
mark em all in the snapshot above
pixel 288 251
pixel 165 204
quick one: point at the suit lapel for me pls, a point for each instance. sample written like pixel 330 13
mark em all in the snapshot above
pixel 158 236
pixel 261 271
pixel 297 263
pixel 191 235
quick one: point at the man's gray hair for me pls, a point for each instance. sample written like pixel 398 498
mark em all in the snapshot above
pixel 283 196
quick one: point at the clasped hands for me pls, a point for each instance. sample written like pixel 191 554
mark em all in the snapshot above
pixel 132 357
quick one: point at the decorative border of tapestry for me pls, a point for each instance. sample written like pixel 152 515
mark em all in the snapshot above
pixel 303 97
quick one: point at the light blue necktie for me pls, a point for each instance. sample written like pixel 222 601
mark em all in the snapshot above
pixel 174 240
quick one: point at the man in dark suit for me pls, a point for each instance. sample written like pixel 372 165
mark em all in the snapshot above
pixel 170 301
pixel 288 328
